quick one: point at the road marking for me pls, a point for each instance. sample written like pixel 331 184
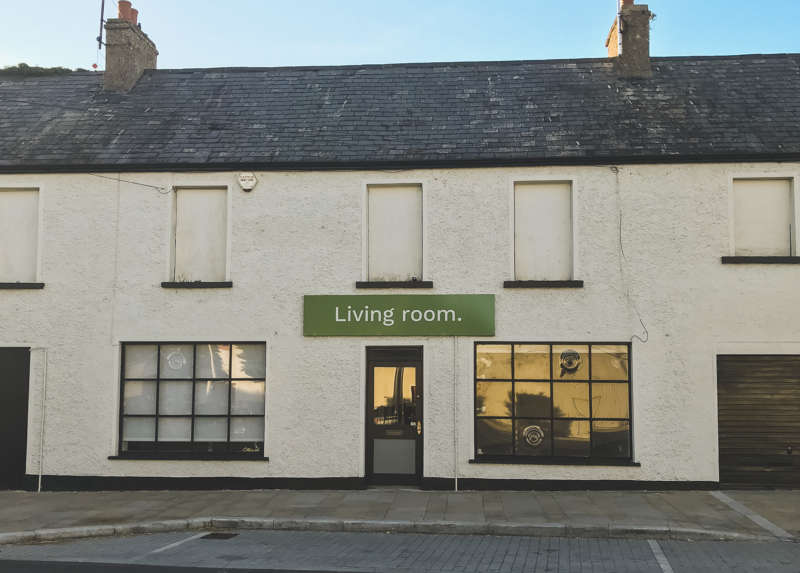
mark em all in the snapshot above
pixel 663 562
pixel 752 515
pixel 172 545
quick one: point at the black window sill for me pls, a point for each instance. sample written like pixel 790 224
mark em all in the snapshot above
pixel 21 286
pixel 198 284
pixel 394 284
pixel 532 460
pixel 794 260
pixel 193 457
pixel 543 284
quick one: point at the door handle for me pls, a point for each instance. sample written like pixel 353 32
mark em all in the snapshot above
pixel 418 412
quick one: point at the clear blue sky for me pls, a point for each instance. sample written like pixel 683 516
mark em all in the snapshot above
pixel 210 33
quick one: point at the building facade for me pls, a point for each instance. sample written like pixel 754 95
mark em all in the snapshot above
pixel 621 315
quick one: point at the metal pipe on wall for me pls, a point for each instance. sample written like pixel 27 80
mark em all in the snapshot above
pixel 41 428
pixel 455 415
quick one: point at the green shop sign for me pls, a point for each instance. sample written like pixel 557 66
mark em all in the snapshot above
pixel 399 315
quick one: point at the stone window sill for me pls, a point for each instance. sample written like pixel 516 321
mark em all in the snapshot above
pixel 394 284
pixel 197 284
pixel 739 260
pixel 21 286
pixel 191 457
pixel 531 460
pixel 543 284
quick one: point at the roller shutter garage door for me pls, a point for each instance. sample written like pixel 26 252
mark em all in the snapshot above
pixel 759 420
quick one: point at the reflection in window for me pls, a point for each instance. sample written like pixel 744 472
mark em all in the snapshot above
pixel 211 397
pixel 139 397
pixel 493 437
pixel 571 362
pixel 493 399
pixel 552 400
pixel 532 399
pixel 493 361
pixel 394 395
pixel 571 438
pixel 532 361
pixel 193 399
pixel 213 361
pixel 141 361
pixel 532 437
pixel 609 362
pixel 609 400
pixel 177 360
pixel 571 399
pixel 175 398
pixel 610 439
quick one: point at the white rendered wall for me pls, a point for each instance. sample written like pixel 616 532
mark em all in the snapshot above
pixel 105 248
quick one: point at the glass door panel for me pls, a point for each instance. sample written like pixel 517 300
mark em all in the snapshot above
pixel 394 396
pixel 394 421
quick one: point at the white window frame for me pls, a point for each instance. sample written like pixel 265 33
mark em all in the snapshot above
pixel 793 179
pixel 172 239
pixel 573 183
pixel 365 185
pixel 40 195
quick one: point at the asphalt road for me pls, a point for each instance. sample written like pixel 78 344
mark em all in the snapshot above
pixel 398 553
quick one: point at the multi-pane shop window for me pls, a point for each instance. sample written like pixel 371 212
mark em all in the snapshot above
pixel 763 217
pixel 19 218
pixel 394 238
pixel 564 400
pixel 543 231
pixel 193 399
pixel 201 232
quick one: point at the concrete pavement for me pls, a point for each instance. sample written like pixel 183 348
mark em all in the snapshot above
pixel 767 515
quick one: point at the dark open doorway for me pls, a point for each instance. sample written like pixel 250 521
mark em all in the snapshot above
pixel 14 371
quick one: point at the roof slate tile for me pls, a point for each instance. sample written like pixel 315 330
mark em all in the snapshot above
pixel 537 112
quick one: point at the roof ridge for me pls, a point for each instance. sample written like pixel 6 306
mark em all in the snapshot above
pixel 728 56
pixel 456 63
pixel 360 66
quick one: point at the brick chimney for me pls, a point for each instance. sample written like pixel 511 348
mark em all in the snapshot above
pixel 628 40
pixel 128 50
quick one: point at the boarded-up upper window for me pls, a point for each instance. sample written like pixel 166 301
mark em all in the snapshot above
pixel 763 214
pixel 395 232
pixel 19 228
pixel 543 231
pixel 200 235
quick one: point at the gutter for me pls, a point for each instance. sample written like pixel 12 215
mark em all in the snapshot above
pixel 399 164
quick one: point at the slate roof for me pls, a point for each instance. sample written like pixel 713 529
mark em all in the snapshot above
pixel 407 115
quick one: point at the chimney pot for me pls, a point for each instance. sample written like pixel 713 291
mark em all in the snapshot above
pixel 124 10
pixel 134 16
